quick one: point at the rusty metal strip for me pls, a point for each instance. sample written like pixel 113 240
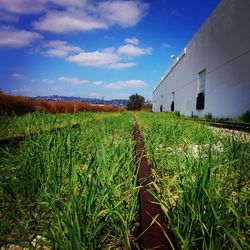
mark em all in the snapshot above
pixel 155 233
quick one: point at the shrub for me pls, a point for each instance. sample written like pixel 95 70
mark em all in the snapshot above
pixel 147 107
pixel 16 104
pixel 135 102
pixel 208 116
pixel 177 113
pixel 245 117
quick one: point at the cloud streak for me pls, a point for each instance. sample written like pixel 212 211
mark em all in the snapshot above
pixel 122 13
pixel 63 16
pixel 102 58
pixel 106 58
pixel 22 6
pixel 67 22
pixel 88 16
pixel 97 83
pixel 111 58
pixel 17 76
pixel 167 45
pixel 176 13
pixel 132 50
pixel 125 84
pixel 14 38
pixel 37 6
pixel 132 40
pixel 59 48
pixel 48 81
pixel 73 80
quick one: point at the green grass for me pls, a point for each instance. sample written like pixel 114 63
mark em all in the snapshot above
pixel 202 182
pixel 37 122
pixel 76 188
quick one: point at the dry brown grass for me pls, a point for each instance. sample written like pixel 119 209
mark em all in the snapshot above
pixel 21 105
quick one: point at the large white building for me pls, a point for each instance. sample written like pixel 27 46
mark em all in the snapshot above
pixel 212 74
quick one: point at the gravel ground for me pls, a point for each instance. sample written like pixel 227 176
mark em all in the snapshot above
pixel 234 133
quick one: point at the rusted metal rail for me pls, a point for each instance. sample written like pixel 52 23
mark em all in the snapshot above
pixel 155 233
pixel 228 125
pixel 237 126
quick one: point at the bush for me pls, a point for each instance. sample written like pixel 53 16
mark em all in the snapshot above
pixel 135 102
pixel 208 116
pixel 16 104
pixel 177 113
pixel 147 107
pixel 245 117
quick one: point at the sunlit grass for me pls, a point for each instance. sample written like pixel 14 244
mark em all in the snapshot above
pixel 202 181
pixel 76 188
pixel 37 122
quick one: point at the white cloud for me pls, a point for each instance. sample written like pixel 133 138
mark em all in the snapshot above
pixel 167 45
pixel 71 3
pixel 36 6
pixel 132 40
pixel 122 65
pixel 67 22
pixel 59 48
pixel 122 13
pixel 55 88
pixel 102 58
pixel 108 37
pixel 48 81
pixel 106 58
pixel 131 50
pixel 98 83
pixel 13 38
pixel 17 76
pixel 64 16
pixel 81 16
pixel 125 84
pixel 73 80
pixel 22 6
pixel 176 13
pixel 109 58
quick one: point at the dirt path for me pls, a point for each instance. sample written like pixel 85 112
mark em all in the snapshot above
pixel 154 229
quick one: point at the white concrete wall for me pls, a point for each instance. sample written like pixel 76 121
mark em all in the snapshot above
pixel 222 47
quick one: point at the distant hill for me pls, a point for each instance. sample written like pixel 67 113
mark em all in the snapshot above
pixel 114 102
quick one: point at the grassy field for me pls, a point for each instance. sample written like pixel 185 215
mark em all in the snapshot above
pixel 76 188
pixel 202 181
pixel 11 126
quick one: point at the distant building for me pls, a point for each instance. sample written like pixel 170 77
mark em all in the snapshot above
pixel 212 74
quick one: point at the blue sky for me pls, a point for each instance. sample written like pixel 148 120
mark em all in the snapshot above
pixel 101 49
